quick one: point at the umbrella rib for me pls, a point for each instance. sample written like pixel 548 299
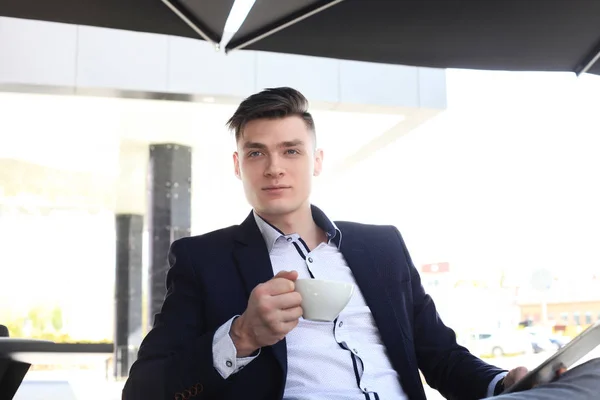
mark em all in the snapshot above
pixel 588 62
pixel 192 21
pixel 280 24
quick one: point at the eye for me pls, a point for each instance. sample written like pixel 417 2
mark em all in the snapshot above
pixel 254 154
pixel 292 152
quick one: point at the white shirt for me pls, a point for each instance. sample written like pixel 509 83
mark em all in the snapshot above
pixel 345 359
pixel 348 362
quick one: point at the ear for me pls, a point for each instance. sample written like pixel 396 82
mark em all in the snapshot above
pixel 318 167
pixel 236 164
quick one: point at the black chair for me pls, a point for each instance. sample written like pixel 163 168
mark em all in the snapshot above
pixel 11 372
pixel 4 331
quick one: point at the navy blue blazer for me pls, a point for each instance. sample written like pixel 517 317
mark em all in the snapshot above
pixel 210 280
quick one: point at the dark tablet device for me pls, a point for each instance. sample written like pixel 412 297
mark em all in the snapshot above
pixel 565 357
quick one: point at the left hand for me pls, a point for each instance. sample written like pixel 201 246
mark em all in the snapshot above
pixel 514 375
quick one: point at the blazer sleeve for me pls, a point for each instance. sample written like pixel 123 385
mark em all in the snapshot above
pixel 447 367
pixel 175 359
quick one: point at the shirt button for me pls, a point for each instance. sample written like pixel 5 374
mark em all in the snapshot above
pixel 354 351
pixel 341 324
pixel 310 259
pixel 289 239
pixel 229 363
pixel 366 390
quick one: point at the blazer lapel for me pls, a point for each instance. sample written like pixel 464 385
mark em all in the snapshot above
pixel 251 255
pixel 254 265
pixel 388 306
pixel 369 278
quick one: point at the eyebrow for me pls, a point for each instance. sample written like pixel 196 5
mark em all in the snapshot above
pixel 254 145
pixel 261 146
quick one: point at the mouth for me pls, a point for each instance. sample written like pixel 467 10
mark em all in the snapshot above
pixel 275 188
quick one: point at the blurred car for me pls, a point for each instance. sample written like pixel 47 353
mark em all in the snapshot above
pixel 498 343
pixel 543 341
pixel 540 342
pixel 559 341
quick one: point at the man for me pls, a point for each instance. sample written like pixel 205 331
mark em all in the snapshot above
pixel 231 327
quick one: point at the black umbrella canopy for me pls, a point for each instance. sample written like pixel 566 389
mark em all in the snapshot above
pixel 523 35
pixel 202 19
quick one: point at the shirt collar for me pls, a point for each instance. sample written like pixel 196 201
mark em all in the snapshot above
pixel 271 233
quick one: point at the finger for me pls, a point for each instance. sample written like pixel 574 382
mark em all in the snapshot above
pixel 514 375
pixel 291 314
pixel 287 300
pixel 560 369
pixel 286 327
pixel 277 286
pixel 519 373
pixel 291 275
pixel 280 329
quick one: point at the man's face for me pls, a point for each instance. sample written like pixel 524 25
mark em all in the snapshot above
pixel 276 160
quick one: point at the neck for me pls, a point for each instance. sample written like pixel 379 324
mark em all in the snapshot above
pixel 300 222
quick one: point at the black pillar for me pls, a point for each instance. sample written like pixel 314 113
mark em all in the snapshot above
pixel 128 291
pixel 170 186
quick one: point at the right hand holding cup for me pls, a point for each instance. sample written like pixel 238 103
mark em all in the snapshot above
pixel 273 311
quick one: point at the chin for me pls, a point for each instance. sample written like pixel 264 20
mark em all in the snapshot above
pixel 272 208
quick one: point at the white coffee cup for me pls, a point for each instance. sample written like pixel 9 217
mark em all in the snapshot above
pixel 323 300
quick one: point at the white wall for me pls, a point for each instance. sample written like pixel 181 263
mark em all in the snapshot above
pixel 83 57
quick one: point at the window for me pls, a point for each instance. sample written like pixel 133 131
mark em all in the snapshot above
pixel 564 317
pixel 577 318
pixel 588 317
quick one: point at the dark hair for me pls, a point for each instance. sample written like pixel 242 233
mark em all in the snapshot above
pixel 271 103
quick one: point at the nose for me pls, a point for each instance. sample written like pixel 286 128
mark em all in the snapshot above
pixel 274 168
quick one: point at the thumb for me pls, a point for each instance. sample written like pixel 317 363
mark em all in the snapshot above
pixel 291 275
